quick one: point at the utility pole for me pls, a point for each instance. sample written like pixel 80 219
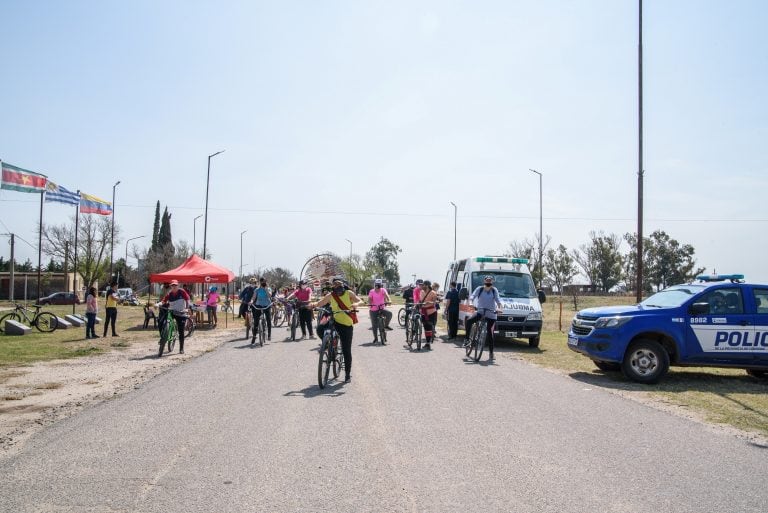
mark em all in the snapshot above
pixel 11 295
pixel 639 296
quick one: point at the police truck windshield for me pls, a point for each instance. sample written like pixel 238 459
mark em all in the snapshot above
pixel 509 284
pixel 671 297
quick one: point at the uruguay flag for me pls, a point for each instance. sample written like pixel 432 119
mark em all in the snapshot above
pixel 59 194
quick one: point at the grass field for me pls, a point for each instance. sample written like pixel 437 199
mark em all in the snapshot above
pixel 722 396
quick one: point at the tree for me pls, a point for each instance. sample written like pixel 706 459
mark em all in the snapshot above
pixel 164 237
pixel 529 249
pixel 278 277
pixel 600 260
pixel 93 241
pixel 382 257
pixel 559 267
pixel 667 262
pixel 357 272
pixel 156 227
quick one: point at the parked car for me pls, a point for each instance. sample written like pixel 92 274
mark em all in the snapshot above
pixel 60 298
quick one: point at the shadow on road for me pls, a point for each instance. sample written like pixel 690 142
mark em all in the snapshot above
pixel 335 389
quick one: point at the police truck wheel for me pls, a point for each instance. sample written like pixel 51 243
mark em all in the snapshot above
pixel 607 366
pixel 534 341
pixel 759 374
pixel 646 361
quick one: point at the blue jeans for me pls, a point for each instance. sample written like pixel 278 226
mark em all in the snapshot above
pixel 90 324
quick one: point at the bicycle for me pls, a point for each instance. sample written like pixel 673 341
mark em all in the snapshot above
pixel 278 313
pixel 227 306
pixel 295 320
pixel 414 327
pixel 262 327
pixel 248 320
pixel 402 316
pixel 168 329
pixel 330 354
pixel 189 326
pixel 380 326
pixel 477 336
pixel 44 321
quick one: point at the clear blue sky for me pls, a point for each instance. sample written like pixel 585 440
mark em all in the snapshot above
pixel 387 111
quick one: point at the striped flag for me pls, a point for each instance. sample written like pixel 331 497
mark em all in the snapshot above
pixel 93 205
pixel 22 180
pixel 59 194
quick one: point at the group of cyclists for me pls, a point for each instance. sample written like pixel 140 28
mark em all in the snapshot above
pixel 339 301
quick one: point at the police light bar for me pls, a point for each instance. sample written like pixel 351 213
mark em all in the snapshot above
pixel 502 260
pixel 720 277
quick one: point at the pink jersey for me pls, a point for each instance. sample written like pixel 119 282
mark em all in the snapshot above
pixel 303 294
pixel 377 299
pixel 416 294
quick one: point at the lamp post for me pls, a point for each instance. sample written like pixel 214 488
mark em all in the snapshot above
pixel 194 232
pixel 112 235
pixel 241 258
pixel 455 213
pixel 541 232
pixel 207 183
pixel 126 248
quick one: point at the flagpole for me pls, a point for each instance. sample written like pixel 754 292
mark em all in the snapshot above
pixel 77 222
pixel 40 245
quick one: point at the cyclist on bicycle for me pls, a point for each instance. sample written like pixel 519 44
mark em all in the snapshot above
pixel 261 299
pixel 245 297
pixel 303 294
pixel 341 298
pixel 428 300
pixel 378 298
pixel 178 302
pixel 488 303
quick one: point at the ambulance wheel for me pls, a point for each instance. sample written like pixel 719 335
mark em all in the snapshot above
pixel 646 361
pixel 534 341
pixel 759 374
pixel 607 366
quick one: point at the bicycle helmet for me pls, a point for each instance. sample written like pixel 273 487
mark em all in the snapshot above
pixel 488 278
pixel 378 281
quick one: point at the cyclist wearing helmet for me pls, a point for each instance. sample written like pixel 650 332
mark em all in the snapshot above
pixel 378 297
pixel 262 299
pixel 341 298
pixel 486 300
pixel 303 294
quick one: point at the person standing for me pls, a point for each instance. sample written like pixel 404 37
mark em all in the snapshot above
pixel 428 300
pixel 342 301
pixel 91 309
pixel 178 301
pixel 452 310
pixel 211 305
pixel 245 297
pixel 111 309
pixel 303 294
pixel 378 298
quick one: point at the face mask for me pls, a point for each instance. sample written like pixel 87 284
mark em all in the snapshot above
pixel 489 285
pixel 338 290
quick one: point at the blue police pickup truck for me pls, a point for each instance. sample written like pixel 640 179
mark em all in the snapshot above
pixel 715 321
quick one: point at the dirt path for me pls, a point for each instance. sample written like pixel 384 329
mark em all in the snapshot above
pixel 33 397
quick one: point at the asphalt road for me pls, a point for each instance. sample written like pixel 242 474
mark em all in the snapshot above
pixel 247 429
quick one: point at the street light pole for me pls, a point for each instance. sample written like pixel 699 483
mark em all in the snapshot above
pixel 541 232
pixel 207 184
pixel 455 213
pixel 126 248
pixel 194 232
pixel 112 243
pixel 241 258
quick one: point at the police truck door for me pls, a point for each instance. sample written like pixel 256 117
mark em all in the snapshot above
pixel 726 333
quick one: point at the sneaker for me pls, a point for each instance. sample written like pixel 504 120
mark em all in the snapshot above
pixel 269 339
pixel 491 357
pixel 312 337
pixel 95 336
pixel 253 341
pixel 387 328
pixel 428 347
pixel 115 335
pixel 347 379
pixel 181 351
pixel 87 337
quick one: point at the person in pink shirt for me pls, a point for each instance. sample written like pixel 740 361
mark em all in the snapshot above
pixel 378 298
pixel 303 293
pixel 211 305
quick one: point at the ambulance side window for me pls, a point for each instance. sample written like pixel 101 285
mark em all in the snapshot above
pixel 761 300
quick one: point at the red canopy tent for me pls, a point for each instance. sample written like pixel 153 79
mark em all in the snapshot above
pixel 195 270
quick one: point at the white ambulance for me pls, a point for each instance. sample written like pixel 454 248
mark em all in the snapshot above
pixel 521 315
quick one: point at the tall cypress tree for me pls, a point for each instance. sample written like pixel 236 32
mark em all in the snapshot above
pixel 164 238
pixel 156 228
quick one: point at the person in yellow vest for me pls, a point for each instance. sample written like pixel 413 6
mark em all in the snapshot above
pixel 341 298
pixel 111 309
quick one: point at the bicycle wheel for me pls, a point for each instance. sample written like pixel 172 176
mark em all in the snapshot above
pixel 470 343
pixel 382 331
pixel 324 362
pixel 164 333
pixel 409 333
pixel 279 318
pixel 401 317
pixel 294 324
pixel 171 337
pixel 338 359
pixel 417 335
pixel 46 322
pixel 482 333
pixel 262 329
pixel 189 327
pixel 13 316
